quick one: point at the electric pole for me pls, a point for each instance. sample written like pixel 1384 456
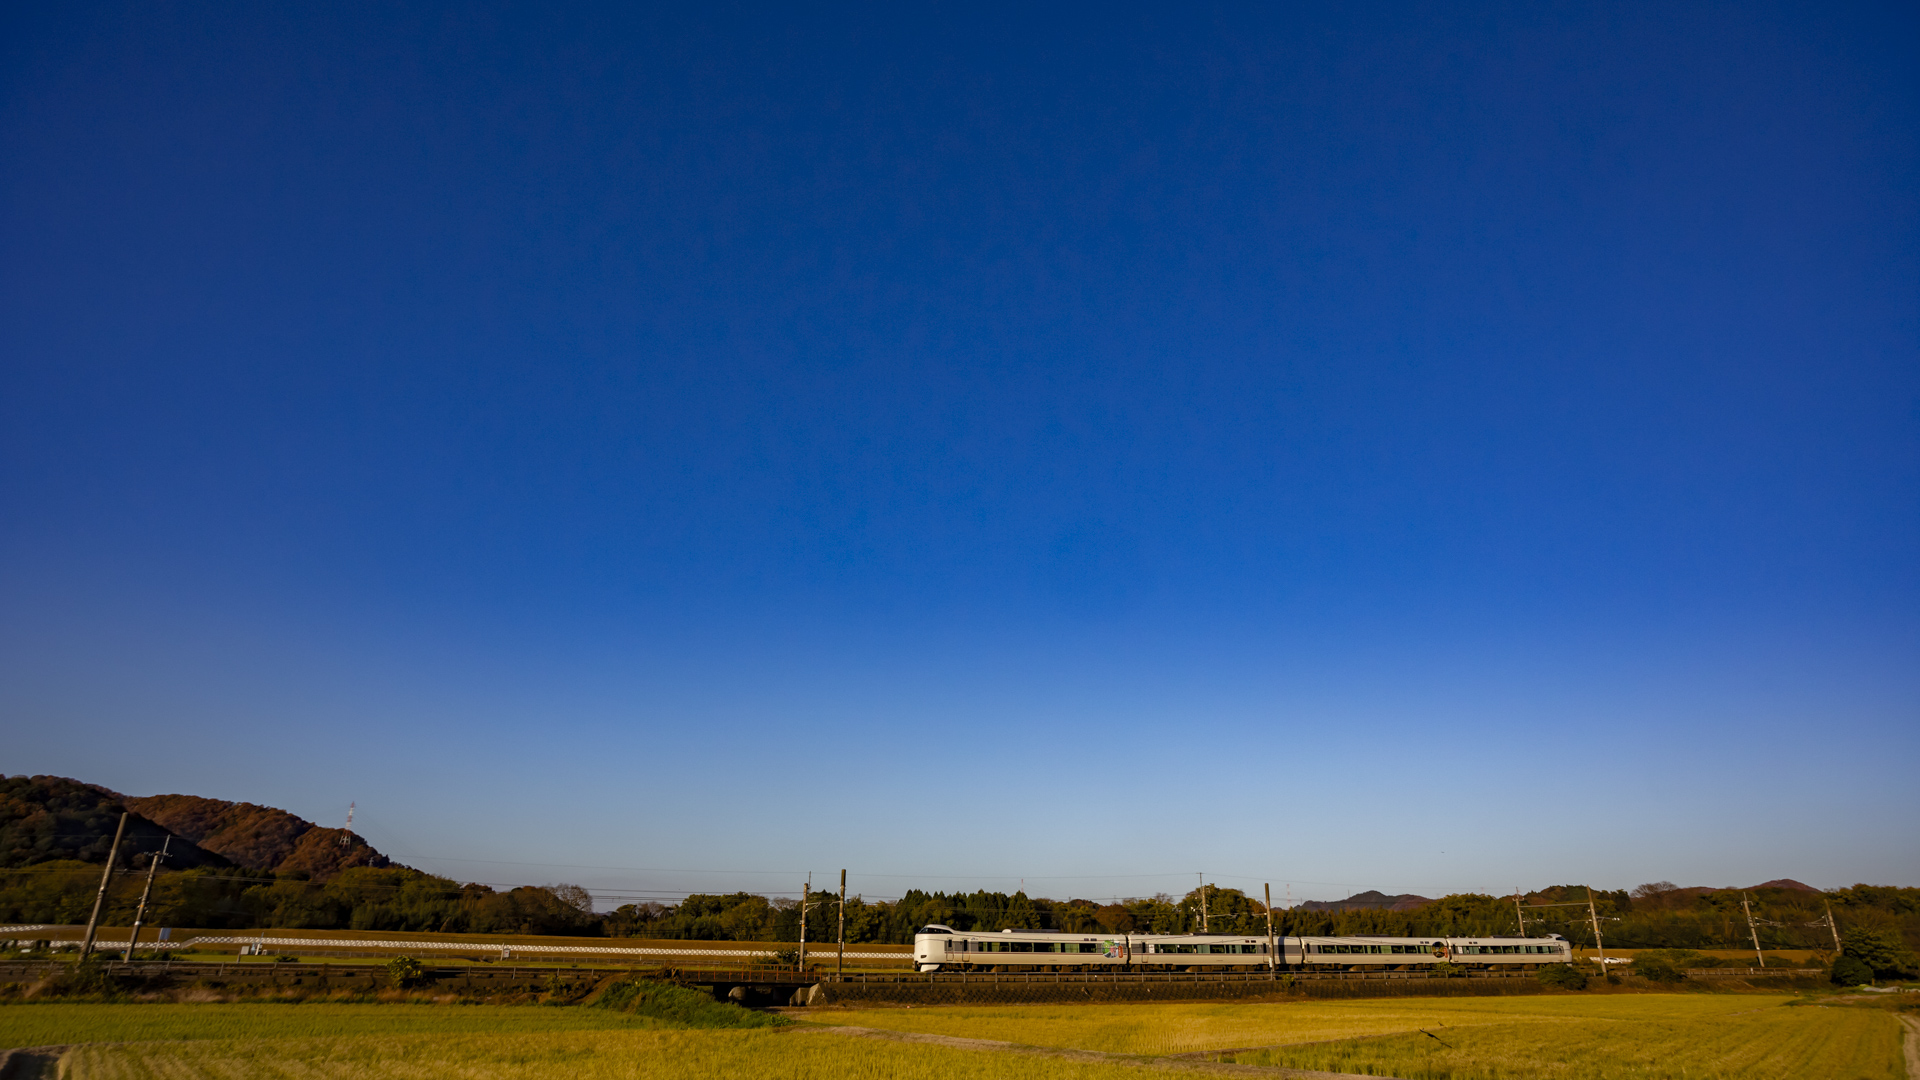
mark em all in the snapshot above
pixel 805 889
pixel 1517 913
pixel 106 878
pixel 840 970
pixel 140 913
pixel 1751 929
pixel 1598 946
pixel 1206 925
pixel 1273 958
pixel 1831 925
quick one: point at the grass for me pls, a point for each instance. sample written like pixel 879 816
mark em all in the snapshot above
pixel 1769 1044
pixel 1693 1036
pixel 1611 1037
pixel 46 1025
pixel 566 1055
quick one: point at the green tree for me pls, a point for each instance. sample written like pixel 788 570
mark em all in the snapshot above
pixel 1851 971
pixel 1881 951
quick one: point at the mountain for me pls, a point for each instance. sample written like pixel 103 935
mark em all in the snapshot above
pixel 261 838
pixel 1371 900
pixel 1786 883
pixel 44 818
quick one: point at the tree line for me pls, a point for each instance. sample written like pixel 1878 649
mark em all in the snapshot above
pixel 397 898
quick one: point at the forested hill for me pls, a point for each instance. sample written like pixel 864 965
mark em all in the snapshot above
pixel 1371 900
pixel 260 837
pixel 47 819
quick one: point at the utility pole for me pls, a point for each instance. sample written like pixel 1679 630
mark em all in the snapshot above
pixel 1273 958
pixel 1206 925
pixel 140 914
pixel 1831 925
pixel 106 878
pixel 1517 913
pixel 841 970
pixel 805 889
pixel 1751 929
pixel 1598 946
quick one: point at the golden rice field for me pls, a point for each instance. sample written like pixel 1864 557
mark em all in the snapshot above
pixel 580 1055
pixel 1686 1036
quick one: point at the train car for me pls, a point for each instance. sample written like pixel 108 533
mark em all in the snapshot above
pixel 1380 953
pixel 937 948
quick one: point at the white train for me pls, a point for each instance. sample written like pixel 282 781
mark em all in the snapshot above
pixel 942 948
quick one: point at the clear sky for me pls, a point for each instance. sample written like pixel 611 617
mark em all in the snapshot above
pixel 1347 446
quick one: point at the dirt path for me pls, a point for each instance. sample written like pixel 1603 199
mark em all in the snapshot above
pixel 1184 1063
pixel 1913 1045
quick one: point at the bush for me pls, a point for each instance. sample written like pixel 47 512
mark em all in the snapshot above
pixel 1851 971
pixel 1563 977
pixel 1445 970
pixel 1679 959
pixel 88 977
pixel 405 972
pixel 1657 970
pixel 679 1006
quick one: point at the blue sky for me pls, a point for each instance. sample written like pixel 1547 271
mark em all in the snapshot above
pixel 1360 445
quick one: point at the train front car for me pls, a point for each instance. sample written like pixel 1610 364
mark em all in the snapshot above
pixel 942 948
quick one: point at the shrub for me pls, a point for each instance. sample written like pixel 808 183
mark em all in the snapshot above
pixel 1680 959
pixel 404 972
pixel 1657 970
pixel 1445 970
pixel 1563 977
pixel 88 977
pixel 1851 971
pixel 679 1006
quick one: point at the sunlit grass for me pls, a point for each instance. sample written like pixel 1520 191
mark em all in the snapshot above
pixel 56 1024
pixel 1604 1037
pixel 655 1055
pixel 1536 1038
pixel 1769 1044
pixel 1192 1027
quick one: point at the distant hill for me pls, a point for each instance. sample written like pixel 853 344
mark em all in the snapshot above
pixel 1371 900
pixel 260 837
pixel 44 818
pixel 1786 883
